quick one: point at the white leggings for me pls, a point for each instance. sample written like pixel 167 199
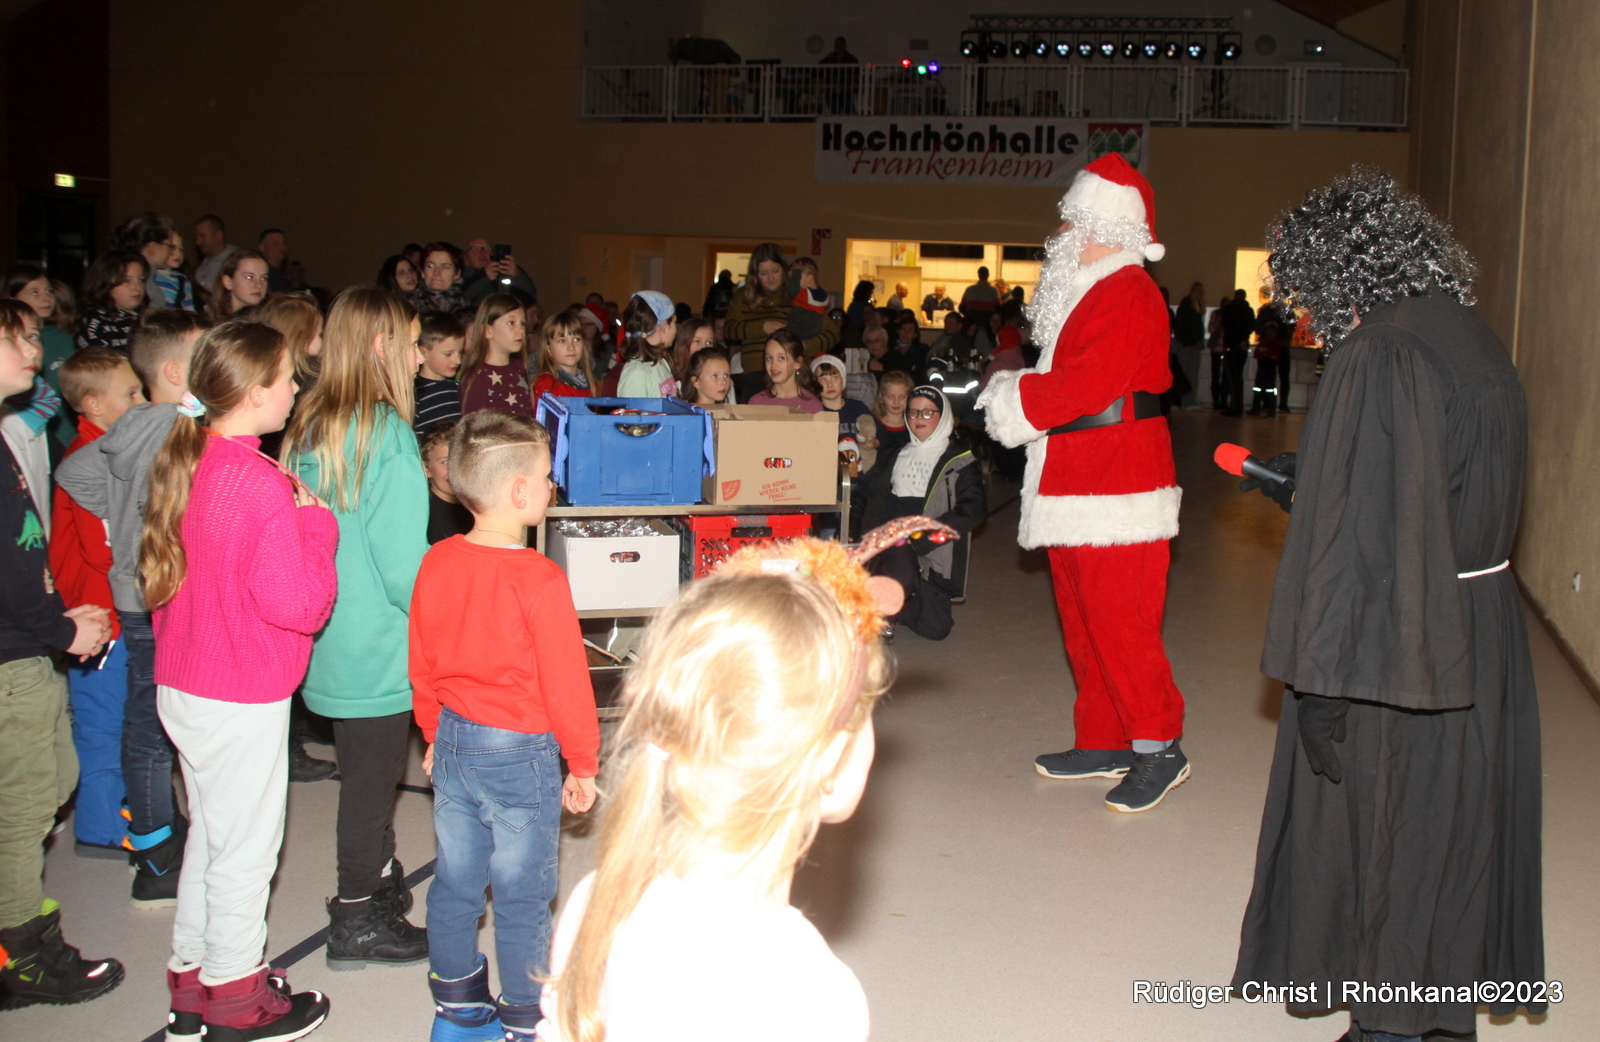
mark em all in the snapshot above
pixel 236 769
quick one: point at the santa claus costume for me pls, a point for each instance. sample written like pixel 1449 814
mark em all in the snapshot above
pixel 1100 490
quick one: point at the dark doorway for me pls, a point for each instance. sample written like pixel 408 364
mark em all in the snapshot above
pixel 57 233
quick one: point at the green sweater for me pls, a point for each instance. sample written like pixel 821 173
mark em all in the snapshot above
pixel 358 663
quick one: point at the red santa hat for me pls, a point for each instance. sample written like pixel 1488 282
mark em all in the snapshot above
pixel 1111 188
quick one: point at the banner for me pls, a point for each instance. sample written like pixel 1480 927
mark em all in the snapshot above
pixel 968 151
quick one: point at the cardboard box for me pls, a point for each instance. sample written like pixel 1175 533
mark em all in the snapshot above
pixel 769 455
pixel 619 572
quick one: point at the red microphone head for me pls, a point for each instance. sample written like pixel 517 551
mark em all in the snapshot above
pixel 1231 457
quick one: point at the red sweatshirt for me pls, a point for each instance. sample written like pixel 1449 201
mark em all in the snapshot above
pixel 80 553
pixel 495 637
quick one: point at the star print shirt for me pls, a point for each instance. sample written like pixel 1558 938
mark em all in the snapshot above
pixel 31 619
pixel 500 387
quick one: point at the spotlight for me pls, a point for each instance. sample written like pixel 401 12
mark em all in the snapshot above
pixel 1063 49
pixel 1019 48
pixel 1041 48
pixel 1130 49
pixel 1230 51
pixel 1085 49
pixel 1197 51
pixel 1108 48
pixel 1174 50
pixel 905 63
pixel 922 70
pixel 969 48
pixel 997 48
pixel 933 67
pixel 1151 49
pixel 1315 47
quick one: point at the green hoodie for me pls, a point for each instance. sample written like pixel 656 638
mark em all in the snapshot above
pixel 358 663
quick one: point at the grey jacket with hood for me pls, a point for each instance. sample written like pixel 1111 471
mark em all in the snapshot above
pixel 110 478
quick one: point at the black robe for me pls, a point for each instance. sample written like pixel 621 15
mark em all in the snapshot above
pixel 1423 864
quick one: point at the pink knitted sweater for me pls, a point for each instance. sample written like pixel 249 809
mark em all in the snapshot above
pixel 259 581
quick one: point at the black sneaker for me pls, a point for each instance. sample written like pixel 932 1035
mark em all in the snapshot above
pixel 155 871
pixel 303 767
pixel 1148 781
pixel 1084 763
pixel 372 931
pixel 44 969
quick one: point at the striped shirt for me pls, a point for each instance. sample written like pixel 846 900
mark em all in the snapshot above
pixel 436 400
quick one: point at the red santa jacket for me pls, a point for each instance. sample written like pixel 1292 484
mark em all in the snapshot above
pixel 1107 485
pixel 80 553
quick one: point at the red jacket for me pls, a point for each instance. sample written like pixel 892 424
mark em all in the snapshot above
pixel 547 384
pixel 80 552
pixel 495 637
pixel 1107 485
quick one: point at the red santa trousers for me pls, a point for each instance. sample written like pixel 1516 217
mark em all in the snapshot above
pixel 1111 600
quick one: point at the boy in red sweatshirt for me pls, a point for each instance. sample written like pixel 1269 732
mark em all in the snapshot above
pixel 500 687
pixel 100 385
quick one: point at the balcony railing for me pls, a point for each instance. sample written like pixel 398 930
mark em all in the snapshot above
pixel 1182 95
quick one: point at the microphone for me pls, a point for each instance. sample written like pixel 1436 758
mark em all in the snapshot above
pixel 1238 461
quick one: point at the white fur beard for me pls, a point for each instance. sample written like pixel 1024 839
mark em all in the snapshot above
pixel 1056 292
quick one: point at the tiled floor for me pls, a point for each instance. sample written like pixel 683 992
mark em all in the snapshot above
pixel 975 899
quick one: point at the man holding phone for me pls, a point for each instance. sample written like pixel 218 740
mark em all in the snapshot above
pixel 494 270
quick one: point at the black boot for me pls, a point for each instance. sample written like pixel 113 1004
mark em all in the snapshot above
pixel 372 931
pixel 394 891
pixel 44 968
pixel 155 869
pixel 303 767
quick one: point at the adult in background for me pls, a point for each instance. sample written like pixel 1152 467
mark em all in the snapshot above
pixel 1270 312
pixel 897 303
pixel 981 295
pixel 273 246
pixel 720 295
pixel 1100 489
pixel 1238 323
pixel 441 280
pixel 399 275
pixel 932 474
pixel 761 308
pixel 936 302
pixel 1401 835
pixel 1189 330
pixel 484 275
pixel 211 242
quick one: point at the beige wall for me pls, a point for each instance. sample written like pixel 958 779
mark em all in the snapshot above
pixel 1508 150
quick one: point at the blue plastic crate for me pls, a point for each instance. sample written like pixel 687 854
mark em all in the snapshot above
pixel 600 459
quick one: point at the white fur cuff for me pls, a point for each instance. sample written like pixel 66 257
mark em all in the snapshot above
pixel 1001 402
pixel 1137 517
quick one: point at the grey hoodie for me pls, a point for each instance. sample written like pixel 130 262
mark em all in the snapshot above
pixel 110 478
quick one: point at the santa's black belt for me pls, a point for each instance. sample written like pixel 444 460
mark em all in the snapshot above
pixel 1146 406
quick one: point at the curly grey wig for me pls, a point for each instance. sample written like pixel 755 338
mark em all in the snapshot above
pixel 1359 243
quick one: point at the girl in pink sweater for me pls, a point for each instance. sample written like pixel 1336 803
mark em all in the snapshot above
pixel 237 561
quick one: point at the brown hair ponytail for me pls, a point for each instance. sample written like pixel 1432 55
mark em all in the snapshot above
pixel 228 361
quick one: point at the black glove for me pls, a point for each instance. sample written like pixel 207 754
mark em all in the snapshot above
pixel 1322 725
pixel 1281 493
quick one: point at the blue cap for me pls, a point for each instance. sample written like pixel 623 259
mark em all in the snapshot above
pixel 659 303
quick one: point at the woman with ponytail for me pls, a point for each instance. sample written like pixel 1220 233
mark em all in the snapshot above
pixel 238 566
pixel 351 441
pixel 749 723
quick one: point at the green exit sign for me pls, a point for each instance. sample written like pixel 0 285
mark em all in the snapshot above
pixel 66 181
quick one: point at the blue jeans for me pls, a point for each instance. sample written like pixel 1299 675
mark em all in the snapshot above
pixel 99 691
pixel 497 817
pixel 146 750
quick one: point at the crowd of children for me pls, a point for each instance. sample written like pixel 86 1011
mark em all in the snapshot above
pixel 263 503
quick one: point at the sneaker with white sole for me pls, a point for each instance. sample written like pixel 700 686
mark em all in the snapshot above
pixel 1148 781
pixel 1084 763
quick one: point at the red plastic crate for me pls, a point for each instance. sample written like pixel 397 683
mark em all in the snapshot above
pixel 708 540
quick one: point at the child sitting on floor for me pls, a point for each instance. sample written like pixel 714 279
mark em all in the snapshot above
pixel 749 723
pixel 501 691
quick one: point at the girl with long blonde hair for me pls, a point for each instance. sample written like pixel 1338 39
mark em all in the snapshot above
pixel 749 723
pixel 494 371
pixel 563 366
pixel 300 322
pixel 238 566
pixel 351 441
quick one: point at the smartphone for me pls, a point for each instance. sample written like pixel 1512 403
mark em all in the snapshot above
pixel 501 252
